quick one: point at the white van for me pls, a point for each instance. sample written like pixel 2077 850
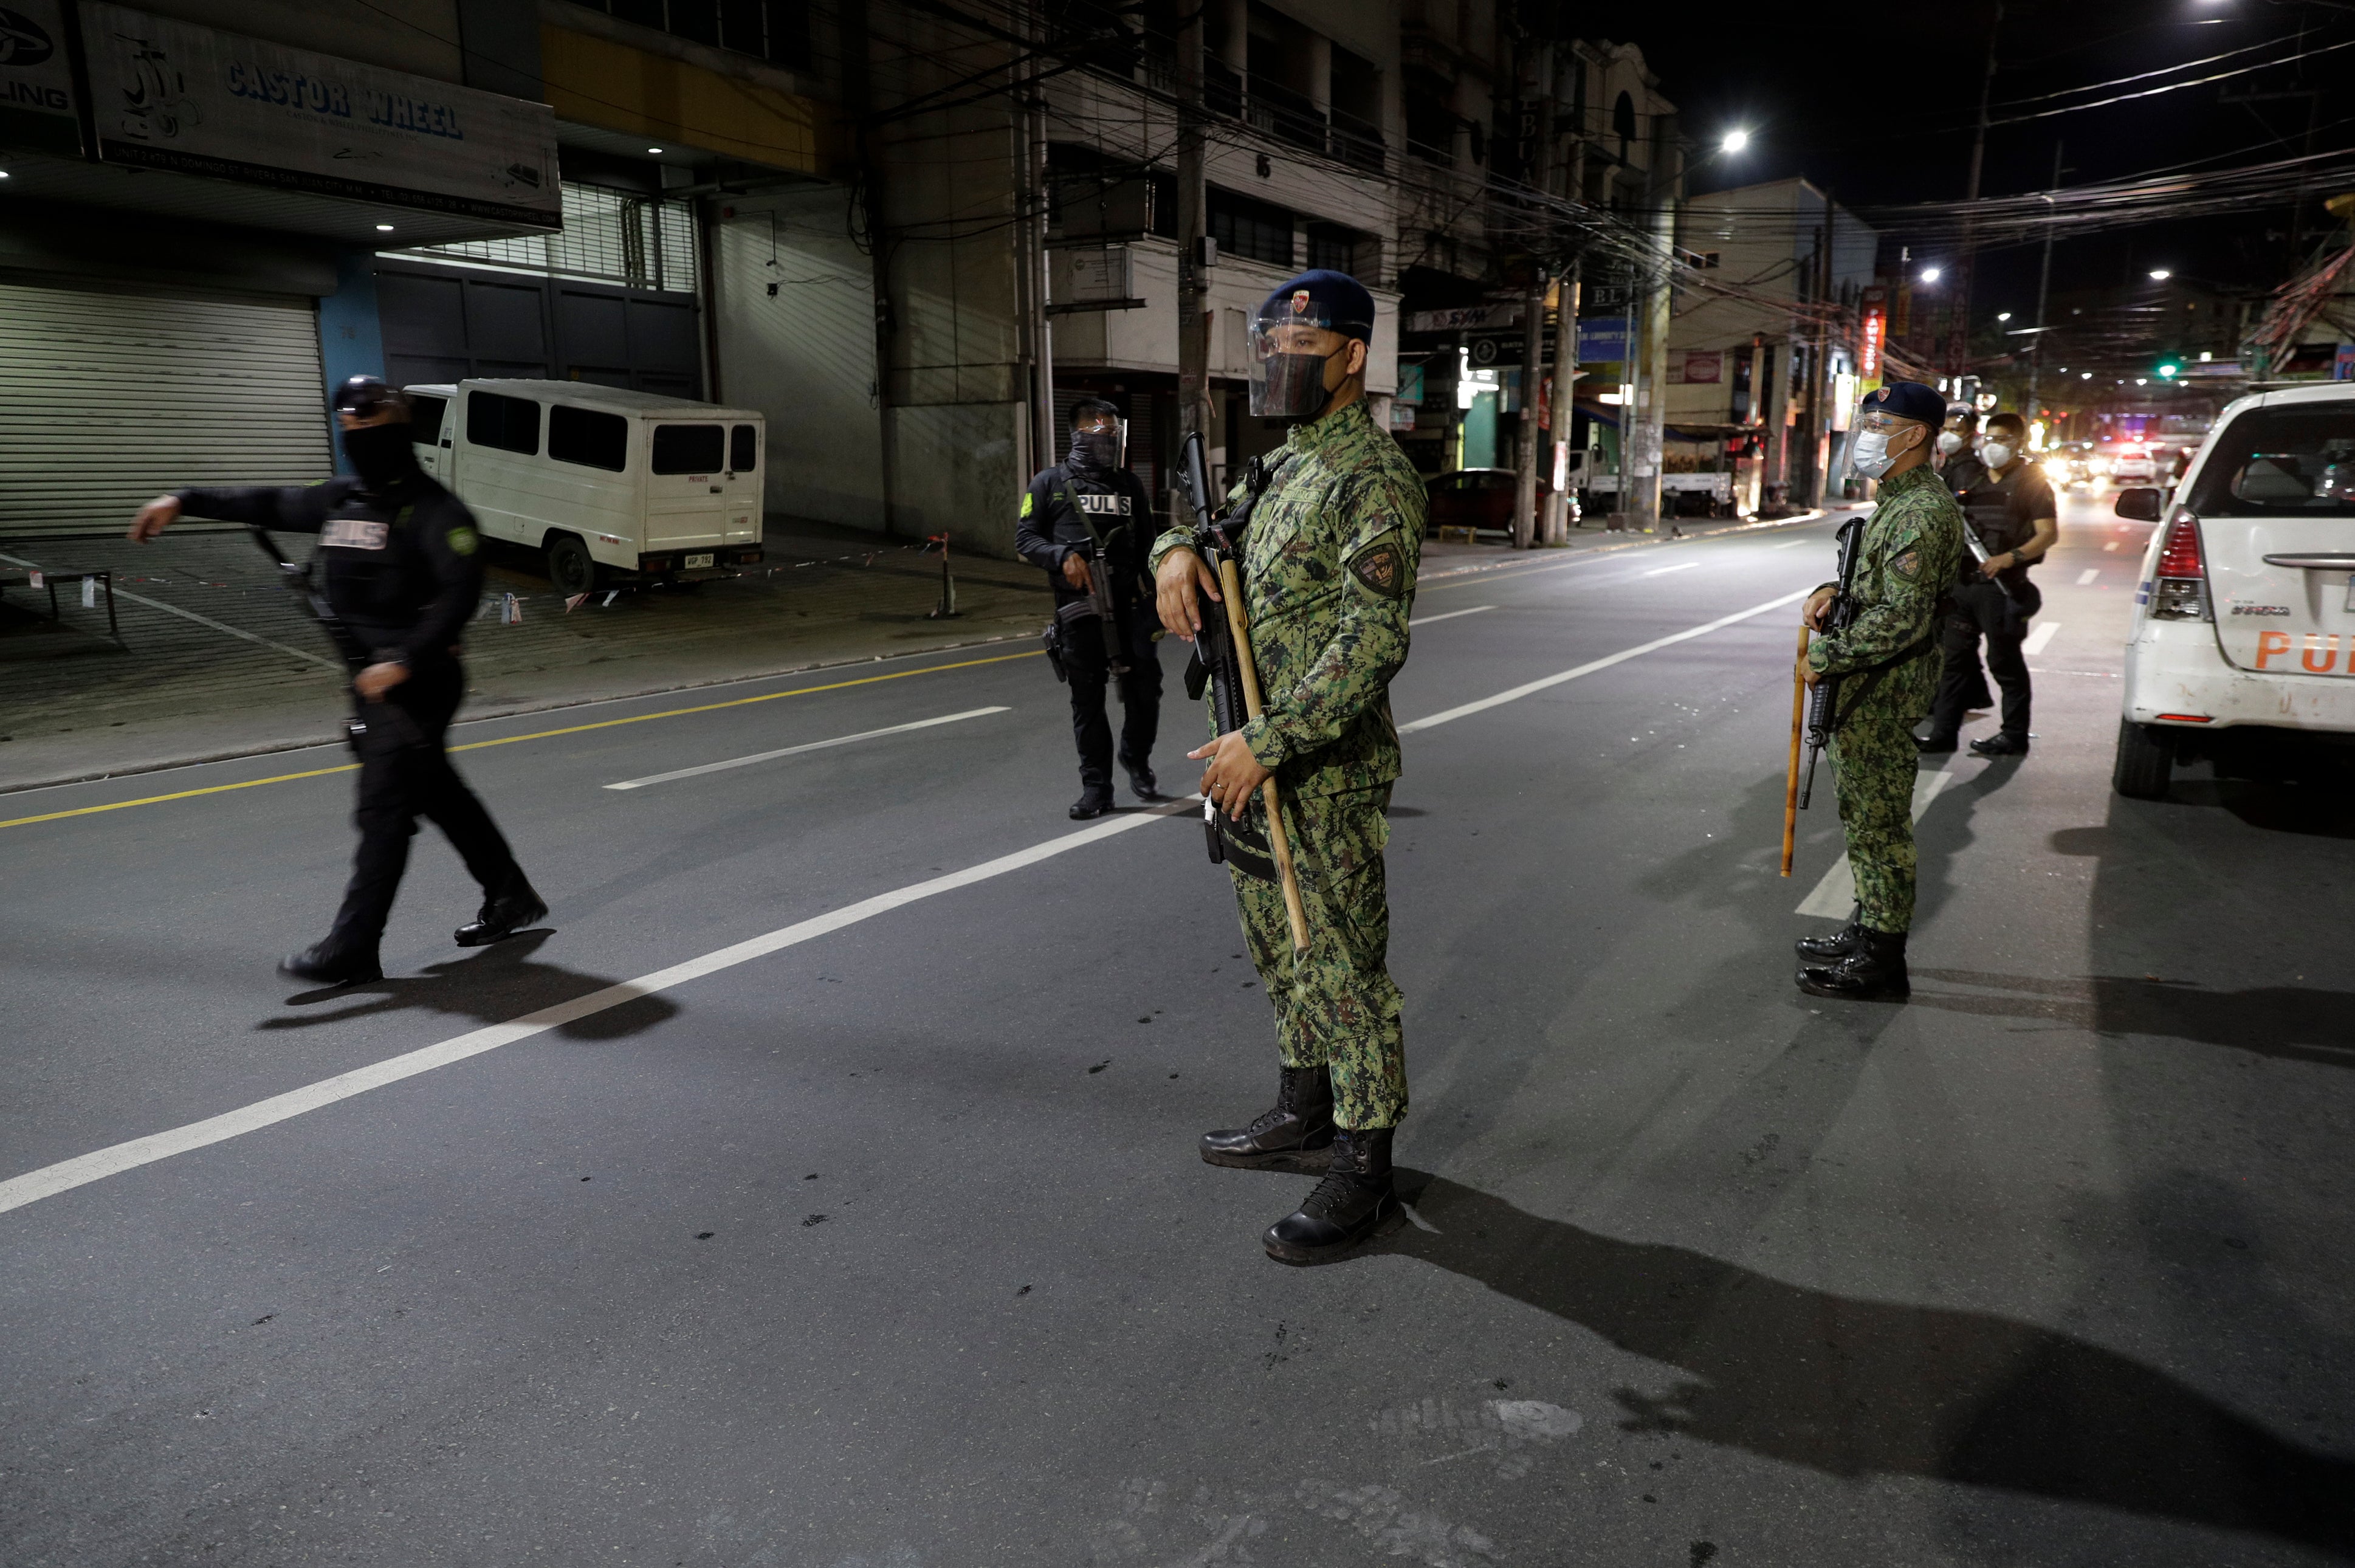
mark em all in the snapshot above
pixel 2244 619
pixel 607 483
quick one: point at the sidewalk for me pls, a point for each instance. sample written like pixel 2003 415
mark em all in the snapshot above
pixel 221 663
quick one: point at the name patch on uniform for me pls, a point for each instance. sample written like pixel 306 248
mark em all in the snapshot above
pixel 1104 505
pixel 353 533
pixel 1380 566
pixel 1907 565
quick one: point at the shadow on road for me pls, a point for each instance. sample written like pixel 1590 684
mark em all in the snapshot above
pixel 2296 1022
pixel 495 986
pixel 1853 1387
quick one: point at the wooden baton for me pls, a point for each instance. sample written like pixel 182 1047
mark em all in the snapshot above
pixel 1230 582
pixel 1790 789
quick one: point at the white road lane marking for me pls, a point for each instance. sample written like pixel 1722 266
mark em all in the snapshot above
pixel 1450 616
pixel 2112 545
pixel 1836 894
pixel 1788 544
pixel 66 1175
pixel 806 746
pixel 1516 693
pixel 2088 575
pixel 2041 638
pixel 1680 566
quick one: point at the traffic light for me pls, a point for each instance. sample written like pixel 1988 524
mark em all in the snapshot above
pixel 2169 369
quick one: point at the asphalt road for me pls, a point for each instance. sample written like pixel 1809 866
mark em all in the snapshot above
pixel 866 1231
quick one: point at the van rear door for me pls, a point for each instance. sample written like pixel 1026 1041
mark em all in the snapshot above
pixel 2276 502
pixel 741 487
pixel 686 485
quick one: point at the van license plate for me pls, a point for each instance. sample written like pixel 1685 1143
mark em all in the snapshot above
pixel 694 560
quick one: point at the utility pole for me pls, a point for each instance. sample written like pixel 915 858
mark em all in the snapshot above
pixel 1525 466
pixel 1958 349
pixel 1819 359
pixel 1034 191
pixel 1193 288
pixel 2044 287
pixel 1649 417
pixel 1561 404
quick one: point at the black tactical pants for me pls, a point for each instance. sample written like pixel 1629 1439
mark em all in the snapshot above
pixel 1981 609
pixel 406 774
pixel 1089 671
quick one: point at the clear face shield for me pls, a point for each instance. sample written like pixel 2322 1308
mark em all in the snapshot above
pixel 1101 438
pixel 1292 345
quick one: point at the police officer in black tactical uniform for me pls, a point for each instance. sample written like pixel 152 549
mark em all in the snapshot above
pixel 1091 506
pixel 2008 504
pixel 402 568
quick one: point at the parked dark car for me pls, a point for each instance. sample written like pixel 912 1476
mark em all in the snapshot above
pixel 1479 498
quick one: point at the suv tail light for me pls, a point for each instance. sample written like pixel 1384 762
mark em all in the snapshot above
pixel 2181 590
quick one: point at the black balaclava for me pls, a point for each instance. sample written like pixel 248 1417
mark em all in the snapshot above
pixel 1093 452
pixel 380 454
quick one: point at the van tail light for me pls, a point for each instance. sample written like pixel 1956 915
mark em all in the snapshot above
pixel 2181 590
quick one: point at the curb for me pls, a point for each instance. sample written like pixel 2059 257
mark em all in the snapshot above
pixel 314 741
pixel 513 710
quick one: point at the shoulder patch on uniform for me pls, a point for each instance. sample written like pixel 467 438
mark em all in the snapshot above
pixel 462 540
pixel 1026 499
pixel 1382 566
pixel 1907 565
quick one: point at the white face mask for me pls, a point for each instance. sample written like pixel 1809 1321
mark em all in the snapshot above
pixel 1997 454
pixel 1949 442
pixel 1870 456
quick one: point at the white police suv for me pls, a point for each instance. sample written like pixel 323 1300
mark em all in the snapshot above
pixel 2244 620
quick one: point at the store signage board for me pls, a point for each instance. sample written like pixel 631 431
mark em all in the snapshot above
pixel 37 95
pixel 171 95
pixel 1468 318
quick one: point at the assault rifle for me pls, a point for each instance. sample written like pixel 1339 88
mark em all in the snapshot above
pixel 297 581
pixel 1097 553
pixel 1978 546
pixel 1823 701
pixel 1222 663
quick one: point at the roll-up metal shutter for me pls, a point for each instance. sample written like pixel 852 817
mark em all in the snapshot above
pixel 108 399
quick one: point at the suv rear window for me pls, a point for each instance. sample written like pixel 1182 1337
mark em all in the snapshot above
pixel 2297 462
pixel 585 436
pixel 689 448
pixel 510 424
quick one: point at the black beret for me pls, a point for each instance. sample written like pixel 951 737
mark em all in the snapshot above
pixel 1908 401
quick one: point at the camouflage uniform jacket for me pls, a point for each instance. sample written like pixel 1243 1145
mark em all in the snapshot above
pixel 1912 547
pixel 1329 571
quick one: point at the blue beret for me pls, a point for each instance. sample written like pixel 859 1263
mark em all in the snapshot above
pixel 1340 299
pixel 1908 401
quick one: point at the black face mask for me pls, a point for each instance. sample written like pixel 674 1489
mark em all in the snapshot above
pixel 1096 450
pixel 380 454
pixel 1293 387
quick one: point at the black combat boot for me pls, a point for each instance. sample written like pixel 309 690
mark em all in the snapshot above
pixel 1874 971
pixel 1831 944
pixel 1354 1201
pixel 1297 1136
pixel 333 962
pixel 502 917
pixel 1092 802
pixel 1141 779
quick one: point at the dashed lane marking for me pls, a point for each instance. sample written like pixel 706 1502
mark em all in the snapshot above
pixel 66 1175
pixel 1596 666
pixel 1450 616
pixel 804 746
pixel 2041 638
pixel 2087 576
pixel 511 739
pixel 1680 566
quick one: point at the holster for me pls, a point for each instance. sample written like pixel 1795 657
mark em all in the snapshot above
pixel 1051 641
pixel 1237 843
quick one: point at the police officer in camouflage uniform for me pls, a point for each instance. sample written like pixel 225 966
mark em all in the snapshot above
pixel 1889 661
pixel 1329 569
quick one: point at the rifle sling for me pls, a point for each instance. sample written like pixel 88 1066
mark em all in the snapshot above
pixel 1876 673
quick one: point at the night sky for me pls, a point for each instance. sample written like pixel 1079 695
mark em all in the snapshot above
pixel 1877 101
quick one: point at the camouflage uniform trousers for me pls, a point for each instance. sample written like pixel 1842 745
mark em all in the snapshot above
pixel 1874 762
pixel 1335 1005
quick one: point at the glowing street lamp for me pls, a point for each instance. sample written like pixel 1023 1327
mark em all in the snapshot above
pixel 1929 274
pixel 2160 274
pixel 1734 142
